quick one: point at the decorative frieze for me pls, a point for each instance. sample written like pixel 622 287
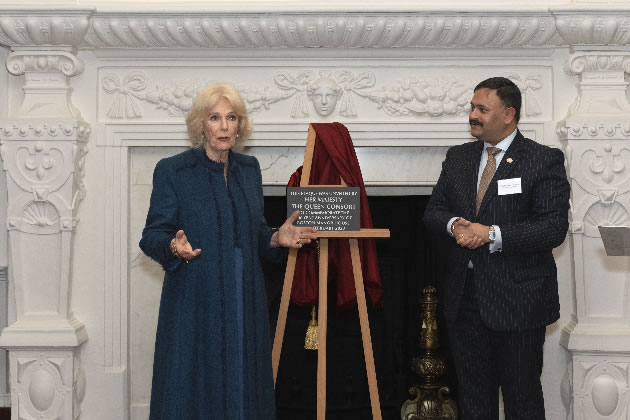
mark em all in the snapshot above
pixel 322 92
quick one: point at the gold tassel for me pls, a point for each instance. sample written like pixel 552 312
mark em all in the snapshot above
pixel 310 341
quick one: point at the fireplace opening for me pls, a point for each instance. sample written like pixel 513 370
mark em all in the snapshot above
pixel 409 260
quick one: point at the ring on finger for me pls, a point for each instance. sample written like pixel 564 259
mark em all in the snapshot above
pixel 298 241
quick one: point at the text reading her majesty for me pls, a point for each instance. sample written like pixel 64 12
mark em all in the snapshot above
pixel 326 208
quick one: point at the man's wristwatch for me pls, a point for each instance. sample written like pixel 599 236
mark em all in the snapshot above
pixel 492 234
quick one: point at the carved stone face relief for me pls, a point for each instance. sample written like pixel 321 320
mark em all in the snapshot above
pixel 324 93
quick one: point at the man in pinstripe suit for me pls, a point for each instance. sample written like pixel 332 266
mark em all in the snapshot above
pixel 504 200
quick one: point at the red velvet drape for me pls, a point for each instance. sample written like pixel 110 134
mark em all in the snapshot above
pixel 334 157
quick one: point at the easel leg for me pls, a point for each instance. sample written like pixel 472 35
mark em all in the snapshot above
pixel 365 330
pixel 282 313
pixel 321 333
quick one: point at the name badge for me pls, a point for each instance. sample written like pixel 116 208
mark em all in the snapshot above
pixel 509 186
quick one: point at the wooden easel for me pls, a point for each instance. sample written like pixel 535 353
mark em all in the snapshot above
pixel 323 297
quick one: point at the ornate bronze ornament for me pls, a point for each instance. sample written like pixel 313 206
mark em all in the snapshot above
pixel 430 400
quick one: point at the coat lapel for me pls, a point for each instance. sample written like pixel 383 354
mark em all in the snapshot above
pixel 508 163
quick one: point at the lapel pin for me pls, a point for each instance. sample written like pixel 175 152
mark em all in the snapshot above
pixel 509 160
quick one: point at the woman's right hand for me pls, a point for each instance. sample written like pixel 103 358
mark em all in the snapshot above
pixel 184 248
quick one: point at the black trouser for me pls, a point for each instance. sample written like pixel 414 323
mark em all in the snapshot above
pixel 486 360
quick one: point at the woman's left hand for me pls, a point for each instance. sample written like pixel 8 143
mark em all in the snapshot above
pixel 291 236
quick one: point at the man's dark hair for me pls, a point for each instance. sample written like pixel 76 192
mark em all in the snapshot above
pixel 506 90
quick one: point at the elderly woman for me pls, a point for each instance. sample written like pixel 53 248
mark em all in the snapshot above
pixel 206 228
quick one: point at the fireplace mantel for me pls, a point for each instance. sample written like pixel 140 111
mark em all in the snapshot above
pixel 96 92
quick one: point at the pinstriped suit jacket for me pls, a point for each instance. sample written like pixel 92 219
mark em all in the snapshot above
pixel 516 288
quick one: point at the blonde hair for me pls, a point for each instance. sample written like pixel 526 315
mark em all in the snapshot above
pixel 202 105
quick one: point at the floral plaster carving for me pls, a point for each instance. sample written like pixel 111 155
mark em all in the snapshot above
pixel 39 159
pixel 438 98
pixel 603 168
pixel 607 164
pixel 325 91
pixel 41 163
pixel 80 191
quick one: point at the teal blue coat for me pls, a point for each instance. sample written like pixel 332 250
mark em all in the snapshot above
pixel 195 373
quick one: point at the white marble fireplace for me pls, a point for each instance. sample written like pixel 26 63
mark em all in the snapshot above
pixel 94 93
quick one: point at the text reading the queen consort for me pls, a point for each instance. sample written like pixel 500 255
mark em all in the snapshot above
pixel 326 208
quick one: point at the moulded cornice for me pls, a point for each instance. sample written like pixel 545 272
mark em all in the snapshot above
pixel 298 26
pixel 594 27
pixel 43 27
pixel 334 30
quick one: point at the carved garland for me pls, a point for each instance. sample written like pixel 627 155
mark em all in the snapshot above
pixel 326 91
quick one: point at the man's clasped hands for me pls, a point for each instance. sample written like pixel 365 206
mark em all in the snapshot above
pixel 470 235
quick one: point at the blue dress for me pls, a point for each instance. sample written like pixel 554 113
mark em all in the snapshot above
pixel 213 348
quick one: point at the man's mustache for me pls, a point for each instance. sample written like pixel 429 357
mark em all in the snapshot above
pixel 475 122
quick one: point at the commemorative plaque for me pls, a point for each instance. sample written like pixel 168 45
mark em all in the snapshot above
pixel 326 208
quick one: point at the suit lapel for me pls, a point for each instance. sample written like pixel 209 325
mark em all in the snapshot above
pixel 508 163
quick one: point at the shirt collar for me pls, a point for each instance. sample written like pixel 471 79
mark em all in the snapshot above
pixel 503 144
